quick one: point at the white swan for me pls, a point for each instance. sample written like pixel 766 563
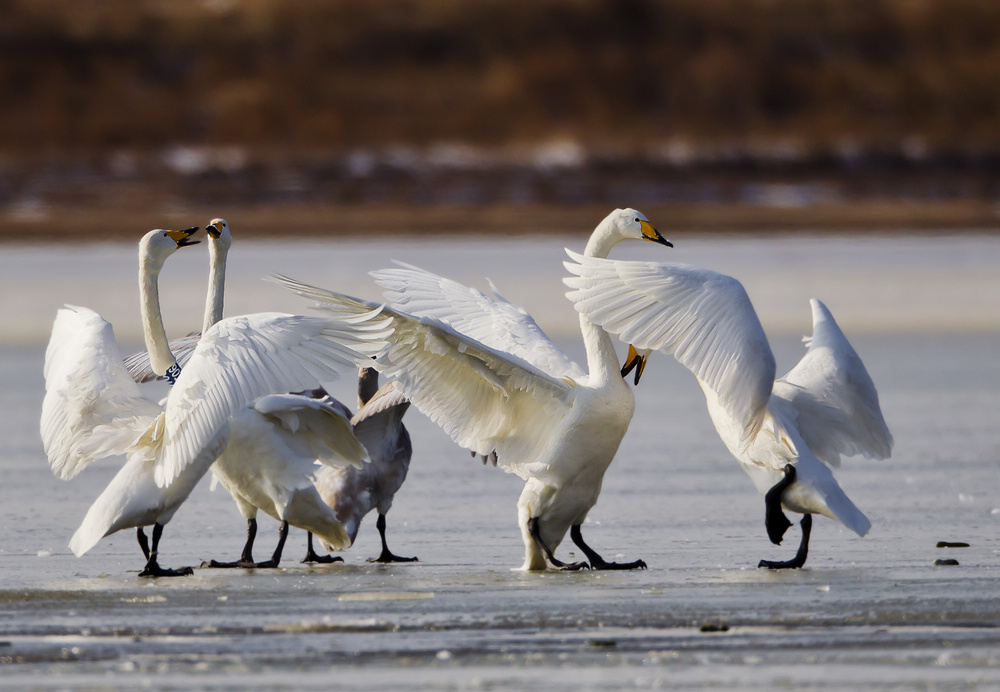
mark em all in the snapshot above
pixel 786 433
pixel 353 492
pixel 274 444
pixel 92 409
pixel 557 431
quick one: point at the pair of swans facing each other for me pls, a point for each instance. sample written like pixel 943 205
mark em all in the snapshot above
pixel 483 370
pixel 268 463
pixel 92 408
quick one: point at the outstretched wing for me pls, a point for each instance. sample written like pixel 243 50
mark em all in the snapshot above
pixel 492 321
pixel 242 358
pixel 324 430
pixel 92 408
pixel 484 399
pixel 837 405
pixel 702 318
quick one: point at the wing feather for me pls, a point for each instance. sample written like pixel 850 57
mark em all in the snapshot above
pixel 492 321
pixel 834 396
pixel 704 319
pixel 242 358
pixel 483 398
pixel 92 408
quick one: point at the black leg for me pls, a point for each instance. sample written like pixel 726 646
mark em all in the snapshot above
pixel 153 568
pixel 387 555
pixel 312 556
pixel 596 561
pixel 558 564
pixel 143 542
pixel 246 558
pixel 803 552
pixel 775 520
pixel 276 557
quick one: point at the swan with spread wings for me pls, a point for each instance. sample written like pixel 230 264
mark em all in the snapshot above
pixel 786 433
pixel 481 369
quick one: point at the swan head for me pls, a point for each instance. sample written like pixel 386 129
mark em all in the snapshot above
pixel 619 225
pixel 631 224
pixel 218 231
pixel 157 245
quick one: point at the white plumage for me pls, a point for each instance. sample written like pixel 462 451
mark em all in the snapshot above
pixel 824 407
pixel 170 446
pixel 554 425
pixel 276 446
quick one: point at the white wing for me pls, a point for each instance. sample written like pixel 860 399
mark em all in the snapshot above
pixel 836 401
pixel 242 358
pixel 320 427
pixel 704 319
pixel 139 367
pixel 484 399
pixel 92 408
pixel 492 321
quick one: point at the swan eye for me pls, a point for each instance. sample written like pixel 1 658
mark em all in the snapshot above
pixel 637 219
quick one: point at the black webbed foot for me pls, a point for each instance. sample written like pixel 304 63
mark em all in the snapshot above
pixel 246 557
pixel 313 557
pixel 153 569
pixel 596 561
pixel 553 561
pixel 800 556
pixel 387 556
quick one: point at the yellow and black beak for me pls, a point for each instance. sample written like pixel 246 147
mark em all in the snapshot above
pixel 634 361
pixel 650 233
pixel 214 230
pixel 183 238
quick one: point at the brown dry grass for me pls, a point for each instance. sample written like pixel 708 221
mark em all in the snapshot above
pixel 619 73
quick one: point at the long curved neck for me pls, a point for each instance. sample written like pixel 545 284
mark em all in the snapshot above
pixel 602 361
pixel 160 358
pixel 215 299
pixel 602 240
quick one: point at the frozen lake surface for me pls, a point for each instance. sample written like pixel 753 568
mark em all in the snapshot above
pixel 871 613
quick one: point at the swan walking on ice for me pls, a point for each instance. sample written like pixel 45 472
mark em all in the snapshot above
pixel 553 424
pixel 787 433
pixel 92 408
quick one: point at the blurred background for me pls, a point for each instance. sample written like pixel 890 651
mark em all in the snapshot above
pixel 421 116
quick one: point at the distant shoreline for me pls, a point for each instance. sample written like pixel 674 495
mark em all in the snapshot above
pixel 276 222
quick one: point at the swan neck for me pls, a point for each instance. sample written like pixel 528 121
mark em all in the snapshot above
pixel 602 360
pixel 155 336
pixel 215 299
pixel 604 237
pixel 367 385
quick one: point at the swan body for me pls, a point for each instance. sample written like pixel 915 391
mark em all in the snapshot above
pixel 511 391
pixel 354 492
pixel 825 407
pixel 170 446
pixel 277 445
pixel 271 460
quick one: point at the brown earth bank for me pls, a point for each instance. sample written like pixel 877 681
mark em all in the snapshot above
pixel 373 222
